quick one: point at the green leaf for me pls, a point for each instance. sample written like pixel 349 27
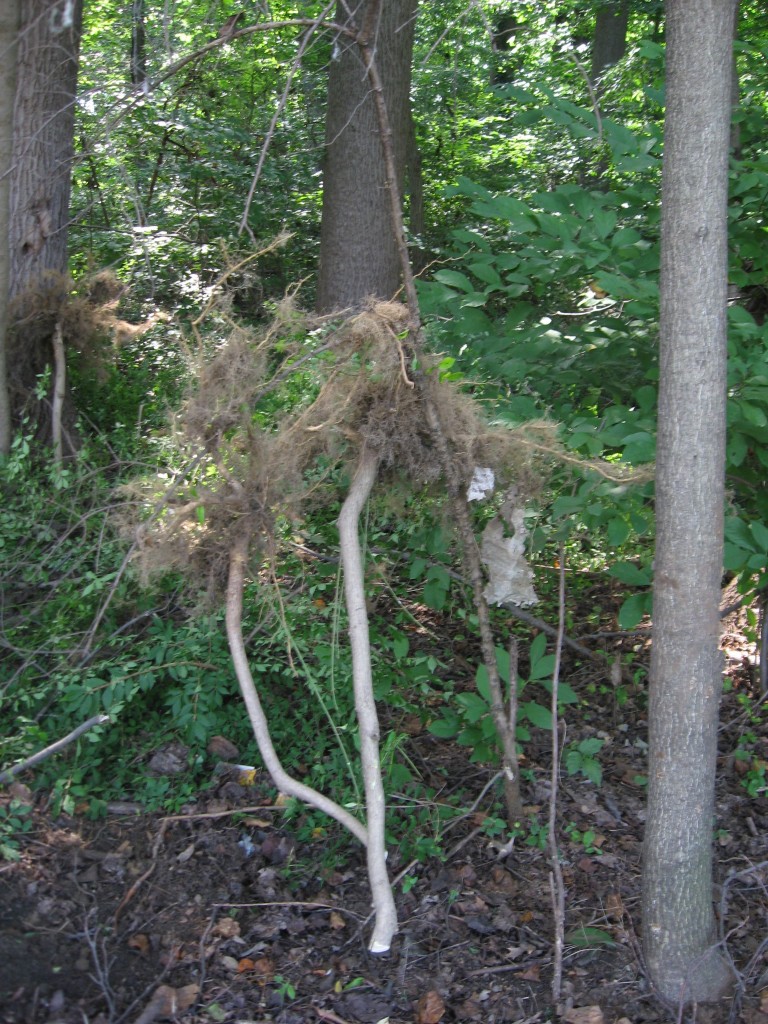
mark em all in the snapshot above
pixel 565 692
pixel 435 595
pixel 631 574
pixel 445 728
pixel 483 683
pixel 400 645
pixel 591 746
pixel 583 937
pixel 486 273
pixel 760 533
pixel 536 714
pixel 474 706
pixel 604 221
pixel 633 610
pixel 455 279
pixel 537 649
pixel 618 531
pixel 543 668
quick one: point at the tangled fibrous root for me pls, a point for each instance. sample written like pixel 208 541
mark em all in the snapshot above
pixel 360 389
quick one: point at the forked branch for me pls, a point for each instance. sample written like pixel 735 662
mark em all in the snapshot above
pixel 238 559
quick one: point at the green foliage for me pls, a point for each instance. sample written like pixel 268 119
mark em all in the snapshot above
pixel 14 821
pixel 469 720
pixel 580 759
pixel 585 839
pixel 541 232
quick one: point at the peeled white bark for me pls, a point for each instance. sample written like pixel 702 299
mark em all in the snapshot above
pixel 284 782
pixel 385 926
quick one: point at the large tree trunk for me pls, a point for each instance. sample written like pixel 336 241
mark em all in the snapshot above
pixel 610 40
pixel 9 27
pixel 43 148
pixel 138 43
pixel 358 251
pixel 678 927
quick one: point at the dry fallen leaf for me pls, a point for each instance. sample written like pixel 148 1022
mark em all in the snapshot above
pixel 168 1002
pixel 261 970
pixel 430 1008
pixel 337 921
pixel 614 906
pixel 584 1015
pixel 139 941
pixel 227 928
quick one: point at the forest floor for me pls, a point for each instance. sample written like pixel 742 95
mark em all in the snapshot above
pixel 214 917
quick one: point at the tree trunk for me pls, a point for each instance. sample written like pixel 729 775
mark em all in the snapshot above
pixel 358 252
pixel 610 40
pixel 679 929
pixel 9 27
pixel 43 147
pixel 138 63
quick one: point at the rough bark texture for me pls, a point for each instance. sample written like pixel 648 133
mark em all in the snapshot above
pixel 678 927
pixel 44 116
pixel 9 26
pixel 610 41
pixel 358 253
pixel 138 62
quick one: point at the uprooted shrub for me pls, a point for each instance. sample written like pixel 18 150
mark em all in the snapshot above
pixel 252 456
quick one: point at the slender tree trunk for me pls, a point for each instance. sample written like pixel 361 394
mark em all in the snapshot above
pixel 43 147
pixel 678 928
pixel 415 180
pixel 9 27
pixel 358 254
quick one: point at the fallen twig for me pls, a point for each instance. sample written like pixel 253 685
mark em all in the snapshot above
pixel 54 748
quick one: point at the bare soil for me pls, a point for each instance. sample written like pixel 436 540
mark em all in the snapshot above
pixel 213 916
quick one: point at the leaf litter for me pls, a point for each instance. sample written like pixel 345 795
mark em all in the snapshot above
pixel 132 920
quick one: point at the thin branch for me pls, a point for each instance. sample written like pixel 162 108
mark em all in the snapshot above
pixel 557 886
pixel 59 392
pixel 281 105
pixel 53 748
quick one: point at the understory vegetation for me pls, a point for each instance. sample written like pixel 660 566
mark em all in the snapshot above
pixel 213 404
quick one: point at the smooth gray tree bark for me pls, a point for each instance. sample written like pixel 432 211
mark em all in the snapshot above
pixel 358 251
pixel 679 933
pixel 9 27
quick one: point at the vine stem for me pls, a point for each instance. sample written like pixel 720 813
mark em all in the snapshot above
pixel 556 884
pixel 447 461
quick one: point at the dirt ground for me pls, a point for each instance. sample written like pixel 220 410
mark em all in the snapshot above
pixel 217 917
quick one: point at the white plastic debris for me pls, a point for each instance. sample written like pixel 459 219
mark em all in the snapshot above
pixel 481 485
pixel 509 575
